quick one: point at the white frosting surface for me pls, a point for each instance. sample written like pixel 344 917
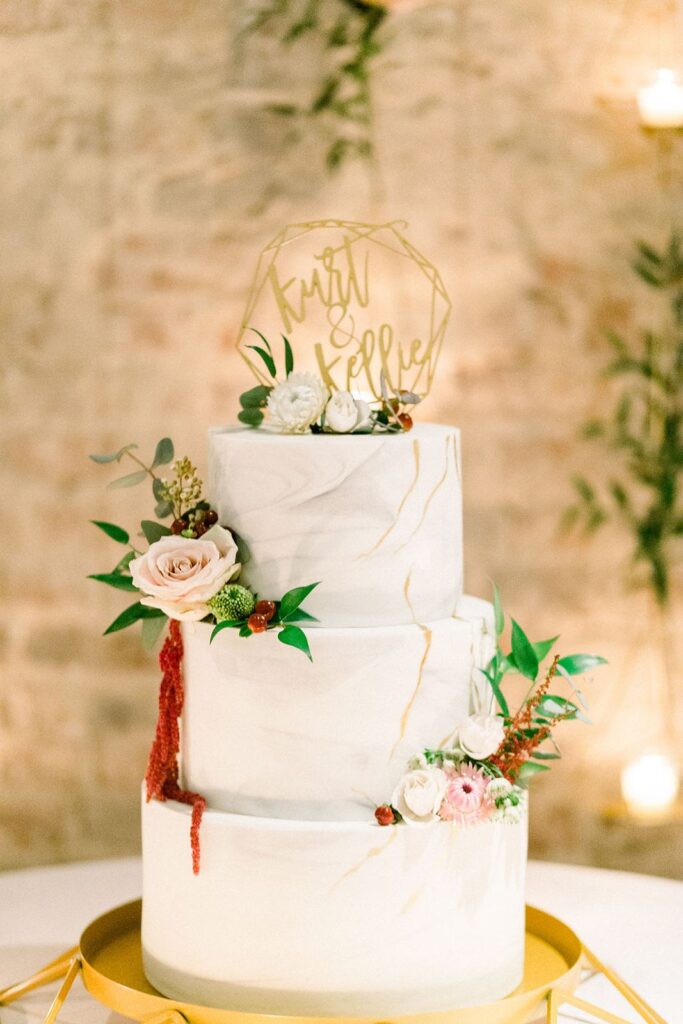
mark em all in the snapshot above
pixel 331 918
pixel 266 732
pixel 369 516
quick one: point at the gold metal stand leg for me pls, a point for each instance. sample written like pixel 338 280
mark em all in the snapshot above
pixel 64 989
pixel 557 999
pixel 55 969
pixel 637 1002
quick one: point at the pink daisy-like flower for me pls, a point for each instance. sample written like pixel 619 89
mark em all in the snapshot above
pixel 466 800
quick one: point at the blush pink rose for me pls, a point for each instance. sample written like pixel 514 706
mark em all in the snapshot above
pixel 178 574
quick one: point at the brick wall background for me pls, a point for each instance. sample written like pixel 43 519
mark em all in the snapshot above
pixel 141 173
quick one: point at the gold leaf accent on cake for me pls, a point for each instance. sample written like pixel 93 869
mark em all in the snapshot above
pixel 430 496
pixel 411 901
pixel 456 458
pixel 444 742
pixel 374 852
pixel 392 526
pixel 427 634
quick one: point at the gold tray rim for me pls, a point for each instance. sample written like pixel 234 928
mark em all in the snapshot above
pixel 140 1005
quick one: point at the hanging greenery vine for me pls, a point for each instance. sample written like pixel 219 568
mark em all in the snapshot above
pixel 349 31
pixel 644 431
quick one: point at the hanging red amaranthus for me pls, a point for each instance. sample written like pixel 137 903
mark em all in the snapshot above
pixel 162 767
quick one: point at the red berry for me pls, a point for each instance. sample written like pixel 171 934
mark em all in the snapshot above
pixel 405 420
pixel 265 608
pixel 200 529
pixel 385 815
pixel 257 623
pixel 211 517
pixel 178 525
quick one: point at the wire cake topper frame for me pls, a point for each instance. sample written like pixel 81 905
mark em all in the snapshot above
pixel 332 287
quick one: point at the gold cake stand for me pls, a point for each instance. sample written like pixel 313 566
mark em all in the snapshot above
pixel 109 960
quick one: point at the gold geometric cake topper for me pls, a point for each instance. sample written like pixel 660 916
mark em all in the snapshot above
pixel 333 288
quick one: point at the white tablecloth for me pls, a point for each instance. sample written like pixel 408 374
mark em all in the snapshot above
pixel 634 923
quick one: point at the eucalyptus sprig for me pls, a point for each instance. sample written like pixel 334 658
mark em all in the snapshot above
pixel 644 433
pixel 286 618
pixel 163 454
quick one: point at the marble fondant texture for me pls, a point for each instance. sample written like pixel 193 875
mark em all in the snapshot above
pixel 266 732
pixel 362 514
pixel 332 918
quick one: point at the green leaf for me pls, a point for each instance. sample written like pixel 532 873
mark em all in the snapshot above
pixel 151 631
pixel 130 480
pixel 159 489
pixel 245 631
pixel 225 624
pixel 164 452
pixel 540 755
pixel 114 579
pixel 528 770
pixel 301 616
pixel 133 614
pixel 114 457
pixel 116 533
pixel 289 357
pixel 163 509
pixel 293 636
pixel 256 397
pixel 293 598
pixel 576 664
pixel 267 359
pixel 498 613
pixel 125 561
pixel 551 705
pixel 252 417
pixel 153 530
pixel 543 647
pixel 526 660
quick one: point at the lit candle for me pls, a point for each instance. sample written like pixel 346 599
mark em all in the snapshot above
pixel 661 103
pixel 649 785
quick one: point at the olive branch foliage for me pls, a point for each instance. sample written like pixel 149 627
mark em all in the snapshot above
pixel 644 433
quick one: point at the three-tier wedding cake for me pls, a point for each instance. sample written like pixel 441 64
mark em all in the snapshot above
pixel 304 904
pixel 334 812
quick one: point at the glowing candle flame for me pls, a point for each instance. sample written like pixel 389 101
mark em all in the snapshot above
pixel 661 102
pixel 649 785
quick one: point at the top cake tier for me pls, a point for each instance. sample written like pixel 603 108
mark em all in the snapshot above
pixel 376 518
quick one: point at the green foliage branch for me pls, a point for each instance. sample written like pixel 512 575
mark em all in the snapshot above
pixel 342 102
pixel 644 433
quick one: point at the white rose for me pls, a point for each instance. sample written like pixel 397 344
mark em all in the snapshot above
pixel 479 736
pixel 297 402
pixel 344 413
pixel 179 574
pixel 419 795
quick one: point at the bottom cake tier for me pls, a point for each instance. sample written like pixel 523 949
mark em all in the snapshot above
pixel 331 918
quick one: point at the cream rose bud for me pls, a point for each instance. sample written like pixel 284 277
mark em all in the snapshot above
pixel 296 403
pixel 479 736
pixel 419 795
pixel 341 413
pixel 345 414
pixel 178 574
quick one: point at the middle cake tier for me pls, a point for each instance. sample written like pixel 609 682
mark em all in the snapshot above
pixel 266 732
